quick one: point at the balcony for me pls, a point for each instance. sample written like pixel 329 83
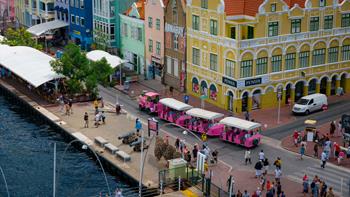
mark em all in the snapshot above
pixel 293 37
pixel 48 14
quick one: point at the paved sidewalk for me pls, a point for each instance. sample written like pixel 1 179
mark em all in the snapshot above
pixel 288 144
pixel 260 115
pixel 245 180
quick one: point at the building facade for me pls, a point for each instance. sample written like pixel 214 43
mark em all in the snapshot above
pixel 9 6
pixel 62 10
pixel 133 37
pixel 245 54
pixel 80 26
pixel 35 11
pixel 154 38
pixel 175 44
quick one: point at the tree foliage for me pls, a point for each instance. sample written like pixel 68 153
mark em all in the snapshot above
pixel 20 37
pixel 82 75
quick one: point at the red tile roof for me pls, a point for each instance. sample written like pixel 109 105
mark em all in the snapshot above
pixel 140 5
pixel 251 7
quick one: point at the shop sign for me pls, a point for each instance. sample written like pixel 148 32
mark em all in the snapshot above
pixel 174 29
pixel 251 82
pixel 229 82
pixel 156 59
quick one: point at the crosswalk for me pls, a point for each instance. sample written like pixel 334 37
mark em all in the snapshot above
pixel 337 178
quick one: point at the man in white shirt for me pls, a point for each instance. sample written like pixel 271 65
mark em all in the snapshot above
pixel 262 155
pixel 323 159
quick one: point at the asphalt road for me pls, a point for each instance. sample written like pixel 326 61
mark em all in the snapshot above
pixel 234 155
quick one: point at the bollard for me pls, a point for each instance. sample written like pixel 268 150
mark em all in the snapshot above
pixel 161 187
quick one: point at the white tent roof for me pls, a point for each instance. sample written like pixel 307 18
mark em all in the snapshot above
pixel 240 123
pixel 201 113
pixel 28 63
pixel 175 104
pixel 41 28
pixel 97 55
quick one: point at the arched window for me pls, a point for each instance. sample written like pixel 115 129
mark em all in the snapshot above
pixel 195 85
pixel 204 88
pixel 213 92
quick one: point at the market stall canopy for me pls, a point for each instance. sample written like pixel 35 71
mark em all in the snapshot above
pixel 97 55
pixel 240 123
pixel 41 28
pixel 175 104
pixel 201 113
pixel 28 63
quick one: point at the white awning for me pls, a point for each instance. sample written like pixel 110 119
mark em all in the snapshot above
pixel 41 28
pixel 201 113
pixel 97 55
pixel 175 104
pixel 28 63
pixel 240 123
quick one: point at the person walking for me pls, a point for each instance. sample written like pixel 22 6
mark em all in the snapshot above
pixel 247 156
pixel 316 149
pixel 261 155
pixel 117 108
pixel 339 129
pixel 258 167
pixel 60 100
pixel 332 128
pixel 330 192
pixel 103 117
pixel 262 182
pixel 215 154
pixel 177 143
pixel 239 194
pixel 245 194
pixel 96 106
pixel 278 174
pixel 138 126
pixel 302 151
pixel 305 185
pixel 70 103
pixel 323 192
pixel 195 152
pixel 279 189
pixel 295 138
pixel 102 102
pixel 266 166
pixel 86 120
pixel 278 163
pixel 323 159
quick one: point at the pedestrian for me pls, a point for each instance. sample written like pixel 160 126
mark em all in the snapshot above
pixel 339 129
pixel 186 98
pixel 341 157
pixel 316 149
pixel 258 166
pixel 305 185
pixel 204 137
pixel 278 163
pixel 330 192
pixel 246 115
pixel 269 193
pixel 323 159
pixel 245 194
pixel 302 151
pixel 282 194
pixel 323 192
pixel 215 154
pixel 102 102
pixel 188 157
pixel 67 108
pixel 247 156
pixel 258 192
pixel 118 193
pixel 195 152
pixel 266 165
pixel 262 182
pixel 86 120
pixel 97 119
pixel 70 103
pixel 261 155
pixel 239 194
pixel 295 138
pixel 177 143
pixel 273 188
pixel 336 148
pixel 96 106
pixel 268 185
pixel 279 189
pixel 60 100
pixel 332 128
pixel 138 126
pixel 103 117
pixel 117 108
pixel 278 174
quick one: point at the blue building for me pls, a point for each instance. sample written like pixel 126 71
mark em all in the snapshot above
pixel 62 10
pixel 80 25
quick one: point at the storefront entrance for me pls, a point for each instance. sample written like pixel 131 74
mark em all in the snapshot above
pixel 323 85
pixel 312 87
pixel 288 89
pixel 256 99
pixel 333 84
pixel 245 101
pixel 299 88
pixel 230 101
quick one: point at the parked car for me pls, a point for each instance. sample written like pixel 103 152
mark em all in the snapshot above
pixel 310 103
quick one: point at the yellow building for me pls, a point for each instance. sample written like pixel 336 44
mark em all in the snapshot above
pixel 241 54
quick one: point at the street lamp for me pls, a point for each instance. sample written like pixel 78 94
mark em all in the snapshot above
pixel 84 147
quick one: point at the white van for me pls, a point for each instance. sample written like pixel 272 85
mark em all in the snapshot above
pixel 310 103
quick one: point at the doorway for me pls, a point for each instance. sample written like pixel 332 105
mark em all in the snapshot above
pixel 245 101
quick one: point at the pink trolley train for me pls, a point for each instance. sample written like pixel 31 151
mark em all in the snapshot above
pixel 172 110
pixel 148 101
pixel 203 121
pixel 241 132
